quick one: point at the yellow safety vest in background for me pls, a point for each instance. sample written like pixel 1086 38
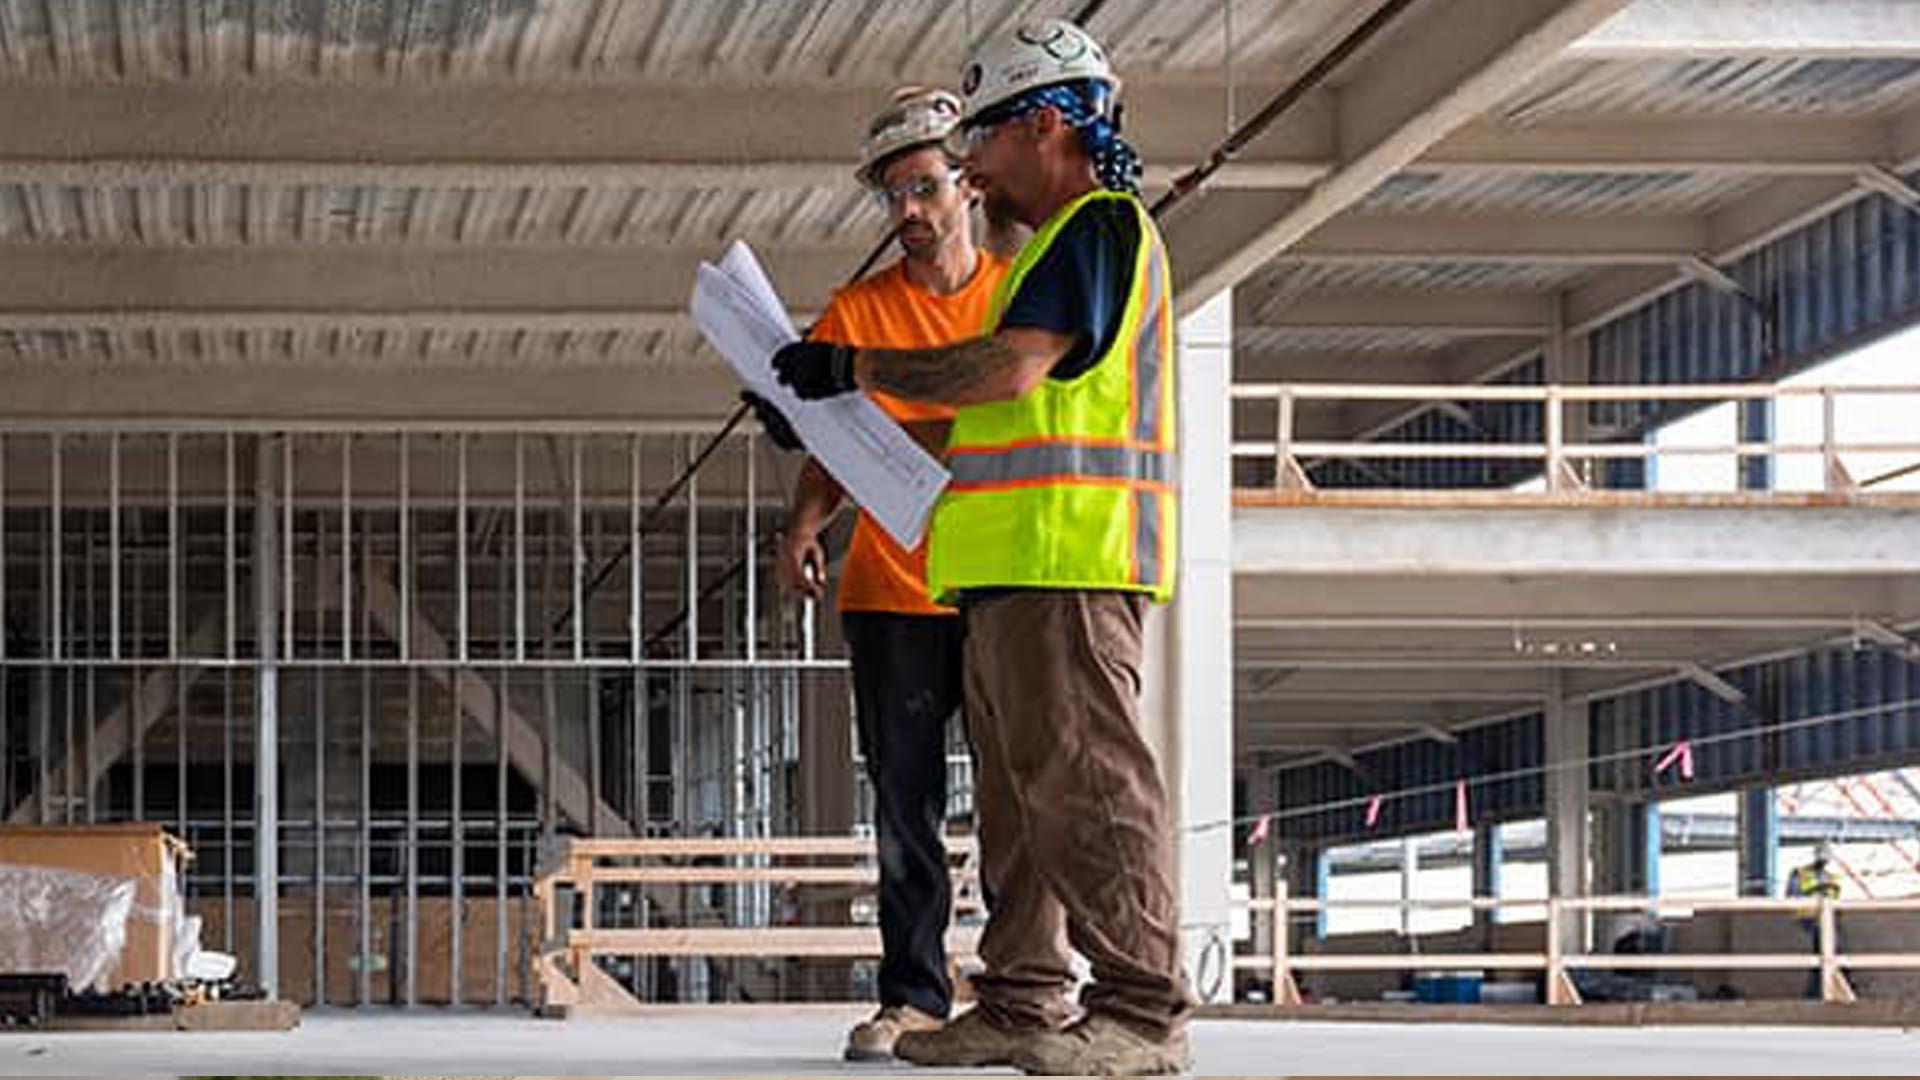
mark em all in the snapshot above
pixel 1071 486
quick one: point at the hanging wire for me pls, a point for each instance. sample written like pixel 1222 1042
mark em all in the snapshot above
pixel 1282 102
pixel 1226 31
pixel 1630 754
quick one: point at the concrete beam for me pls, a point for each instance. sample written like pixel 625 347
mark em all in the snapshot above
pixel 715 134
pixel 1690 541
pixel 1688 29
pixel 1267 365
pixel 1737 230
pixel 1441 70
pixel 1474 313
pixel 1731 232
pixel 1777 145
pixel 362 390
pixel 1530 239
pixel 403 285
pixel 706 174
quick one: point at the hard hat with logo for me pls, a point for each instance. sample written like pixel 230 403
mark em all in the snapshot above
pixel 1043 53
pixel 918 116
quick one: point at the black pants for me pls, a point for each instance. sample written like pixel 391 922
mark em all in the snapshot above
pixel 906 688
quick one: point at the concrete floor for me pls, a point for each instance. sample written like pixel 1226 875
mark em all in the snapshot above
pixel 770 1043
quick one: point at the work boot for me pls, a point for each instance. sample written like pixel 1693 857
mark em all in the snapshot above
pixel 969 1041
pixel 1102 1046
pixel 873 1039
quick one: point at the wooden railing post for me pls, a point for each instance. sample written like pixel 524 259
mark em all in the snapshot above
pixel 1834 987
pixel 1560 988
pixel 1285 990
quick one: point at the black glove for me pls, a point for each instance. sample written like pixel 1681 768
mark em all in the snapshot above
pixel 815 369
pixel 773 421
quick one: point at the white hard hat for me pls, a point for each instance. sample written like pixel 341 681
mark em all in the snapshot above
pixel 1043 53
pixel 1823 852
pixel 918 116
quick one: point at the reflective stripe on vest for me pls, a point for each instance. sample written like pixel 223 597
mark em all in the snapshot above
pixel 1148 360
pixel 1059 462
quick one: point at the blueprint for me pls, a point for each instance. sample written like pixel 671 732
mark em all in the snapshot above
pixel 873 458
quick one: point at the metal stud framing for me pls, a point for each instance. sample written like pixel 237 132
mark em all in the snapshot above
pixel 321 745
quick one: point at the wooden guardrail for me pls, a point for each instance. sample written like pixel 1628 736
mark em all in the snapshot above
pixel 837 869
pixel 1559 448
pixel 1284 963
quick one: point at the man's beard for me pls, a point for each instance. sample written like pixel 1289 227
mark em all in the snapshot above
pixel 1005 231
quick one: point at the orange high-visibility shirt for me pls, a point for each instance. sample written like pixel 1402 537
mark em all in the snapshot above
pixel 888 311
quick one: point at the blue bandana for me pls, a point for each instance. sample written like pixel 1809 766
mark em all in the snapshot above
pixel 1084 107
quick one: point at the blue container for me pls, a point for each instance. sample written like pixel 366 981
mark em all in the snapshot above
pixel 1447 987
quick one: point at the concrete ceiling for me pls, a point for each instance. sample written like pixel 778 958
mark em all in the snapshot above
pixel 249 207
pixel 491 208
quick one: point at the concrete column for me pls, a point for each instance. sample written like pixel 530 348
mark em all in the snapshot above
pixel 1759 847
pixel 266 723
pixel 1759 811
pixel 1651 848
pixel 1409 881
pixel 1263 859
pixel 1305 869
pixel 1756 425
pixel 1488 861
pixel 1188 696
pixel 1628 861
pixel 1566 800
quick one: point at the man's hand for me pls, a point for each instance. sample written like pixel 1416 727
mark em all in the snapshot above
pixel 815 369
pixel 773 421
pixel 800 566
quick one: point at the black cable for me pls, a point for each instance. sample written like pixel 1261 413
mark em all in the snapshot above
pixel 1088 11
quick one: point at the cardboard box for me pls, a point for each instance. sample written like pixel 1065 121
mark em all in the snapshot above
pixel 143 851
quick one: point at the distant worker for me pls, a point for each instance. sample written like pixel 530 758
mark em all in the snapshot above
pixel 905 649
pixel 1816 881
pixel 1054 535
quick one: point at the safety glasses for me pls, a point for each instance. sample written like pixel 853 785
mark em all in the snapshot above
pixel 922 188
pixel 970 136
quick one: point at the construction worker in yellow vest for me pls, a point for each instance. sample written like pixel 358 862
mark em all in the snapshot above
pixel 1053 537
pixel 904 648
pixel 1816 881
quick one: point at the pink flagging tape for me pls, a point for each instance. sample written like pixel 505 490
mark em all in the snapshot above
pixel 1681 753
pixel 1460 823
pixel 1373 811
pixel 1259 831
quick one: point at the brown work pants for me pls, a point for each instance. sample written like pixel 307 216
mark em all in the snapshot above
pixel 1071 809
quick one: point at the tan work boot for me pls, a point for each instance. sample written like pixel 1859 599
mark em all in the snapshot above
pixel 1102 1046
pixel 873 1039
pixel 969 1041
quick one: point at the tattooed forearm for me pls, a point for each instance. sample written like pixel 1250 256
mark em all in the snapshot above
pixel 964 373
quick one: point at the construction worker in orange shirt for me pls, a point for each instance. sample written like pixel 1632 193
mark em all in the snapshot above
pixel 905 648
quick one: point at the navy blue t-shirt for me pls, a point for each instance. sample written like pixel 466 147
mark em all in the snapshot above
pixel 1079 287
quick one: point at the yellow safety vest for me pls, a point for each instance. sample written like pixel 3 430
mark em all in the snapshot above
pixel 1071 486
